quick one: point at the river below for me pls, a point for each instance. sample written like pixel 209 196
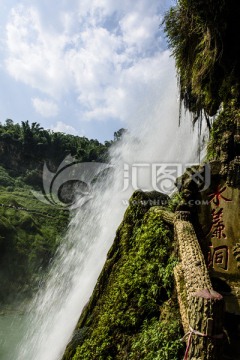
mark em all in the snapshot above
pixel 12 329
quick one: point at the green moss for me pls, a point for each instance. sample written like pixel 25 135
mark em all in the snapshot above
pixel 159 340
pixel 175 200
pixel 221 141
pixel 135 283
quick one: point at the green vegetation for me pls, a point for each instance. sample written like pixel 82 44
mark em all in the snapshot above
pixel 32 137
pixel 221 144
pixel 159 338
pixel 28 240
pixel 204 37
pixel 25 147
pixel 130 314
pixel 175 200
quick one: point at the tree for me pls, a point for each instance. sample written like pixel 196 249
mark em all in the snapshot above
pixel 11 130
pixel 27 135
pixel 119 134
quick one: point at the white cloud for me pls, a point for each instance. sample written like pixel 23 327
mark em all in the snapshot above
pixel 35 56
pixel 64 128
pixel 139 31
pixel 107 56
pixel 45 107
pixel 99 10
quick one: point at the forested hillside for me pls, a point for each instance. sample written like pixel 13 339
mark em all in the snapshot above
pixel 24 147
pixel 30 230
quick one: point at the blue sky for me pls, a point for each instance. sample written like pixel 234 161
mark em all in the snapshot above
pixel 81 66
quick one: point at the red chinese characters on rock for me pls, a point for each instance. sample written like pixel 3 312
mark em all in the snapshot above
pixel 217 196
pixel 218 226
pixel 218 256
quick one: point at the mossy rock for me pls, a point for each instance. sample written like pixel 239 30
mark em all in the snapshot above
pixel 135 283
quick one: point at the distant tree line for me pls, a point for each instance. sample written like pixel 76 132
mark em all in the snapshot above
pixel 41 142
pixel 25 146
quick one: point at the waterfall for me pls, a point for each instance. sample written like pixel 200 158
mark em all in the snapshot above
pixel 153 137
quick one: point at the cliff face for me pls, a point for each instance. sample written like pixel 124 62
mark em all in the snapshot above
pixel 132 313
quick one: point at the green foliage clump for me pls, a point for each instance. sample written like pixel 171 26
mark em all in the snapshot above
pixel 205 40
pixel 133 287
pixel 159 339
pixel 5 178
pixel 175 200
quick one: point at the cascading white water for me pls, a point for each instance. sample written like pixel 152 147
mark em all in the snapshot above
pixel 155 137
